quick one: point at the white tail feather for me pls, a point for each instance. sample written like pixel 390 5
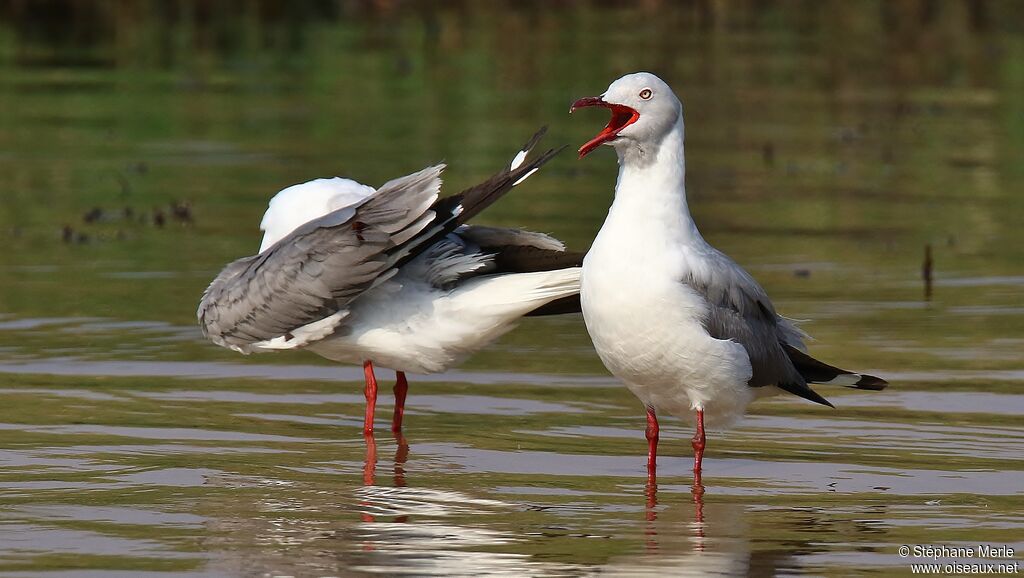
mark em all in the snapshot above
pixel 519 293
pixel 303 335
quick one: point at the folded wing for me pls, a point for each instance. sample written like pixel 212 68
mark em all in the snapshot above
pixel 739 310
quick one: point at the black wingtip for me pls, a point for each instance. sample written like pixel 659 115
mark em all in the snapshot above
pixel 535 139
pixel 805 392
pixel 815 371
pixel 870 383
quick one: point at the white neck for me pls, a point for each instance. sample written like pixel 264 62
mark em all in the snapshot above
pixel 651 187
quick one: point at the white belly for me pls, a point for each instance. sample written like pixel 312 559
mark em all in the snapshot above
pixel 412 327
pixel 646 327
pixel 408 325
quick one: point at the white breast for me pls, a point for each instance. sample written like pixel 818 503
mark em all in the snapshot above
pixel 647 325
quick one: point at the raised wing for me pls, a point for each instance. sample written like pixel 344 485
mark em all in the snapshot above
pixel 297 290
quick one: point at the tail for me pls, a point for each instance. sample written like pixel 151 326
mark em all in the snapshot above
pixel 483 308
pixel 815 371
pixel 560 306
pixel 514 295
pixel 531 259
pixel 453 211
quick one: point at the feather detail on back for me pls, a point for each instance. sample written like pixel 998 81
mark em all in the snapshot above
pixel 446 262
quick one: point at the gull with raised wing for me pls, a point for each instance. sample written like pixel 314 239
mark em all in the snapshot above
pixel 391 276
pixel 687 329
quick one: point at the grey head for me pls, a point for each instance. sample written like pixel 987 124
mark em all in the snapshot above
pixel 644 110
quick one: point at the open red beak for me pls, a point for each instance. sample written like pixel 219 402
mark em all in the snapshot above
pixel 622 116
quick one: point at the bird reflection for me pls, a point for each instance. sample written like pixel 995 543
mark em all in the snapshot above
pixel 416 530
pixel 370 465
pixel 694 538
pixel 651 513
pixel 370 469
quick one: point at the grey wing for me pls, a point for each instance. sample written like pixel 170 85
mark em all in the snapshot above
pixel 739 310
pixel 298 290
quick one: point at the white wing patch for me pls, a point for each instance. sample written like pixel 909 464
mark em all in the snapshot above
pixel 302 336
pixel 518 160
pixel 526 176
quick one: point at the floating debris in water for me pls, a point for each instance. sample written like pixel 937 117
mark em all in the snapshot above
pixel 926 272
pixel 768 154
pixel 93 215
pixel 126 219
pixel 181 211
pixel 138 167
pixel 68 235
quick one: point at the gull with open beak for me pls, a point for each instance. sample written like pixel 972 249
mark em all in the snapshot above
pixel 687 329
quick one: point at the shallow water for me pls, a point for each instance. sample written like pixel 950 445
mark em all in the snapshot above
pixel 827 145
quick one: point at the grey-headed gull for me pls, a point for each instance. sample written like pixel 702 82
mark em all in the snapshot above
pixel 686 328
pixel 390 276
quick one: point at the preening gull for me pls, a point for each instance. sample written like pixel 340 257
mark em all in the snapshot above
pixel 390 276
pixel 685 327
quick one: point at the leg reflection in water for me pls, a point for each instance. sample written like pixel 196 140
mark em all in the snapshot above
pixel 370 468
pixel 685 534
pixel 370 465
pixel 697 491
pixel 651 514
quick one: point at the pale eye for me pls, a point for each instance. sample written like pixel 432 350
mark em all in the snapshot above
pixel 646 94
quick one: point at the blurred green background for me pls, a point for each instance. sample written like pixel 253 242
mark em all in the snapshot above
pixel 828 143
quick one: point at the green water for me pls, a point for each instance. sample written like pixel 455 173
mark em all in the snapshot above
pixel 828 144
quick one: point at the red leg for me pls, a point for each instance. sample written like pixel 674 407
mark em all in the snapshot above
pixel 371 396
pixel 652 445
pixel 401 388
pixel 698 447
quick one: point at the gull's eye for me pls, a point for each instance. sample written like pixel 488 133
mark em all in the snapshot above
pixel 646 94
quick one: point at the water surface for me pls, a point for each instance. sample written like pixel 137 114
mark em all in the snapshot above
pixel 828 144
